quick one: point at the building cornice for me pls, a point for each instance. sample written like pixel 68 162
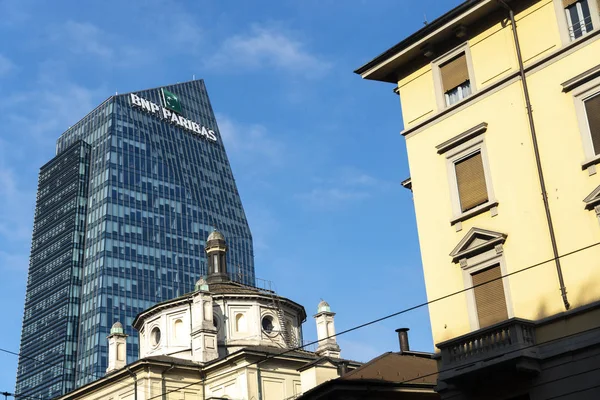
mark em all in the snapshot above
pixel 411 46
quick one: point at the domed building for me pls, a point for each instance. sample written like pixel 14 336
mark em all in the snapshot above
pixel 223 340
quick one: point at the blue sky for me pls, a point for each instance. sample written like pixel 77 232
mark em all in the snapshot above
pixel 315 150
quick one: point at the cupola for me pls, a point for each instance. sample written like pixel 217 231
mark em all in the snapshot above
pixel 216 254
pixel 117 348
pixel 328 346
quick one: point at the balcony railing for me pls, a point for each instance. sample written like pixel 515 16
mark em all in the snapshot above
pixel 502 342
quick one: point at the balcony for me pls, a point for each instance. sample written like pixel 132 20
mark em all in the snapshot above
pixel 509 346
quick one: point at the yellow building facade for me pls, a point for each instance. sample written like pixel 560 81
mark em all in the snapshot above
pixel 501 109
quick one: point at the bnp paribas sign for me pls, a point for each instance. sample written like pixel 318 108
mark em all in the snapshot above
pixel 171 111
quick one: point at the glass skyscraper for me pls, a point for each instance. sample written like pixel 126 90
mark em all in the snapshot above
pixel 122 214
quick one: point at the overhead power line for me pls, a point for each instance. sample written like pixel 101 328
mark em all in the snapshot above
pixel 404 311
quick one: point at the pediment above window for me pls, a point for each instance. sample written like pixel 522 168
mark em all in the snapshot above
pixel 477 241
pixel 593 199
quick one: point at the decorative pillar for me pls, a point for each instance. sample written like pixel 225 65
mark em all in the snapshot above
pixel 204 333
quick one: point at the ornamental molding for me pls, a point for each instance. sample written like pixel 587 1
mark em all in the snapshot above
pixel 477 241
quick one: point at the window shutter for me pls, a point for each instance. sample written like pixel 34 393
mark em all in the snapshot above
pixel 470 179
pixel 592 110
pixel 567 3
pixel 454 73
pixel 489 298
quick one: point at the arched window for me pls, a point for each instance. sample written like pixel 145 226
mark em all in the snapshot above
pixel 178 330
pixel 240 322
pixel 216 263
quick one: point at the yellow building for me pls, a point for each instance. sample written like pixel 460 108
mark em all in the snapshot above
pixel 501 108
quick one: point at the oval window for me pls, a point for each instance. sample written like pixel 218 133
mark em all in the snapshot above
pixel 155 336
pixel 267 323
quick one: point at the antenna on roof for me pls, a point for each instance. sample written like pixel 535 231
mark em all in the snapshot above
pixel 193 77
pixel 425 19
pixel 116 92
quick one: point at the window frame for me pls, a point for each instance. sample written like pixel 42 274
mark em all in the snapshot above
pixel 456 154
pixel 437 75
pixel 563 26
pixel 580 95
pixel 275 322
pixel 488 259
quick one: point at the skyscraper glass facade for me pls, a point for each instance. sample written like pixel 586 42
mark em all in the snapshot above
pixel 159 182
pixel 51 318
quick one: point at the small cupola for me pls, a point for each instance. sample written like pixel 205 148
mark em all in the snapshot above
pixel 328 346
pixel 216 254
pixel 201 285
pixel 117 350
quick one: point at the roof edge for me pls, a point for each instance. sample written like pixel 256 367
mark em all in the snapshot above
pixel 418 35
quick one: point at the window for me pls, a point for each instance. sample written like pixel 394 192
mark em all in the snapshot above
pixel 587 108
pixel 470 182
pixel 576 18
pixel 267 323
pixel 489 297
pixel 480 254
pixel 592 113
pixel 456 84
pixel 155 336
pixel 469 175
pixel 579 18
pixel 216 262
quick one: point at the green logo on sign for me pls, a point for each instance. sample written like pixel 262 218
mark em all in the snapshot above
pixel 171 101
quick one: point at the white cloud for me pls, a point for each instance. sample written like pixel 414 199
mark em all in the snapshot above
pixel 268 48
pixel 250 143
pixel 330 197
pixel 16 208
pixel 6 65
pixel 14 13
pixel 346 185
pixel 85 38
pixel 45 113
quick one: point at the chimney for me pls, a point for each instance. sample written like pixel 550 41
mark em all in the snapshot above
pixel 342 368
pixel 403 338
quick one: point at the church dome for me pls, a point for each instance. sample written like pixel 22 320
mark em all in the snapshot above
pixel 323 306
pixel 215 235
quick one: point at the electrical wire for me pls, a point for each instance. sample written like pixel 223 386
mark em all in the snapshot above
pixel 597 328
pixel 269 356
pixel 573 392
pixel 297 348
pixel 18 396
pixel 45 363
